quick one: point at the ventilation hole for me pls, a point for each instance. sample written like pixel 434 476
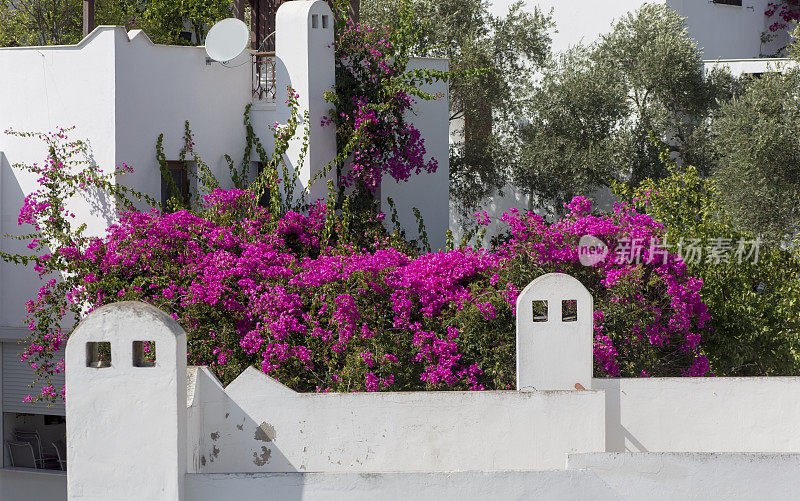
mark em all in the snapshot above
pixel 569 310
pixel 98 354
pixel 324 22
pixel 539 311
pixel 314 21
pixel 144 353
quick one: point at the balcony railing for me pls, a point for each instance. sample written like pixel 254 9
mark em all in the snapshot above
pixel 264 76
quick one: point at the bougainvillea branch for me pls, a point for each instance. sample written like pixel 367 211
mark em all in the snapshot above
pixel 374 92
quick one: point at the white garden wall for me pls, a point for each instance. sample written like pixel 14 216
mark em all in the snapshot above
pixel 690 476
pixel 598 477
pixel 452 486
pixel 758 414
pixel 126 424
pixel 257 425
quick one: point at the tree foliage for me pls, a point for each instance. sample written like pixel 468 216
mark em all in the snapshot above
pixel 493 61
pixel 753 301
pixel 590 118
pixel 40 22
pixel 56 22
pixel 757 139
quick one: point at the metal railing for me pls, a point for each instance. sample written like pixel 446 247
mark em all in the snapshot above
pixel 263 73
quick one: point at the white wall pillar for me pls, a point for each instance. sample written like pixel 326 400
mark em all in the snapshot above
pixel 126 424
pixel 305 61
pixel 554 354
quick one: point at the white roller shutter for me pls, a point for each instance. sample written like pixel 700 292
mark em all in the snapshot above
pixel 17 375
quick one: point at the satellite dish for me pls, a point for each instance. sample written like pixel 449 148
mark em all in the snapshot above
pixel 227 39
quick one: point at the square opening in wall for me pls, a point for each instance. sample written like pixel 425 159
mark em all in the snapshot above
pixel 315 21
pixel 539 311
pixel 98 354
pixel 324 22
pixel 144 353
pixel 569 310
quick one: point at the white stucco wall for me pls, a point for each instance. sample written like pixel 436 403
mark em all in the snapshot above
pixel 126 424
pixel 660 476
pixel 41 89
pixel 427 192
pixel 702 414
pixel 257 425
pixel 554 354
pixel 158 88
pixel 722 31
pixel 739 67
pixel 451 486
pixel 648 438
pixel 305 61
pixel 599 477
pixel 728 31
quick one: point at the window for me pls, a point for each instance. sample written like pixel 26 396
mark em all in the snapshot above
pixel 539 311
pixel 569 310
pixel 144 353
pixel 324 22
pixel 737 3
pixel 263 200
pixel 315 21
pixel 34 441
pixel 175 183
pixel 98 354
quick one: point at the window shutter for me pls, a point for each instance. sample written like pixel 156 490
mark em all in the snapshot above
pixel 17 375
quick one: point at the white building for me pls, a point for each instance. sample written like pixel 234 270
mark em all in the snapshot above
pixel 166 432
pixel 161 432
pixel 120 92
pixel 724 29
pixel 729 32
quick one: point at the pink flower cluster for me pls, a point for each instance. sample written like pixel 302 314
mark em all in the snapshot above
pixel 787 10
pixel 374 112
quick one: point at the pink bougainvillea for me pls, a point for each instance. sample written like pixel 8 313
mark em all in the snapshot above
pixel 781 13
pixel 371 102
pixel 345 318
pixel 319 304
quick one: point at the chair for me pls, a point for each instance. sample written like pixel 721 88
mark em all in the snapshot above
pixel 61 453
pixel 21 454
pixel 48 461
